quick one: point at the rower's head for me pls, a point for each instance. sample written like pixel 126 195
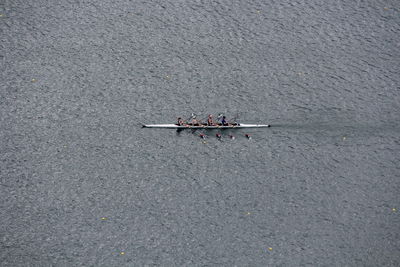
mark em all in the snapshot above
pixel 210 116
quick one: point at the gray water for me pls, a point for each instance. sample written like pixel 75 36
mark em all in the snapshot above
pixel 82 184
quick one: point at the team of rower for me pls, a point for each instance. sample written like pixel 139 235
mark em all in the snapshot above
pixel 210 121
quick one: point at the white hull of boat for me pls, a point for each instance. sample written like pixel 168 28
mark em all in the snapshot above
pixel 174 126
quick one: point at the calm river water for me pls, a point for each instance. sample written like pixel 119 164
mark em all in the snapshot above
pixel 82 184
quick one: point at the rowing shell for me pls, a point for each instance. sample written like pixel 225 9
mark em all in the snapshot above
pixel 237 126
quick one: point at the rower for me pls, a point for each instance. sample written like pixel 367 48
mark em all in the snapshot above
pixel 232 137
pixel 210 121
pixel 202 136
pixel 180 121
pixel 223 121
pixel 248 136
pixel 218 135
pixel 194 121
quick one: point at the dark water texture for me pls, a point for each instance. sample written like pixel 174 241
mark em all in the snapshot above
pixel 321 187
